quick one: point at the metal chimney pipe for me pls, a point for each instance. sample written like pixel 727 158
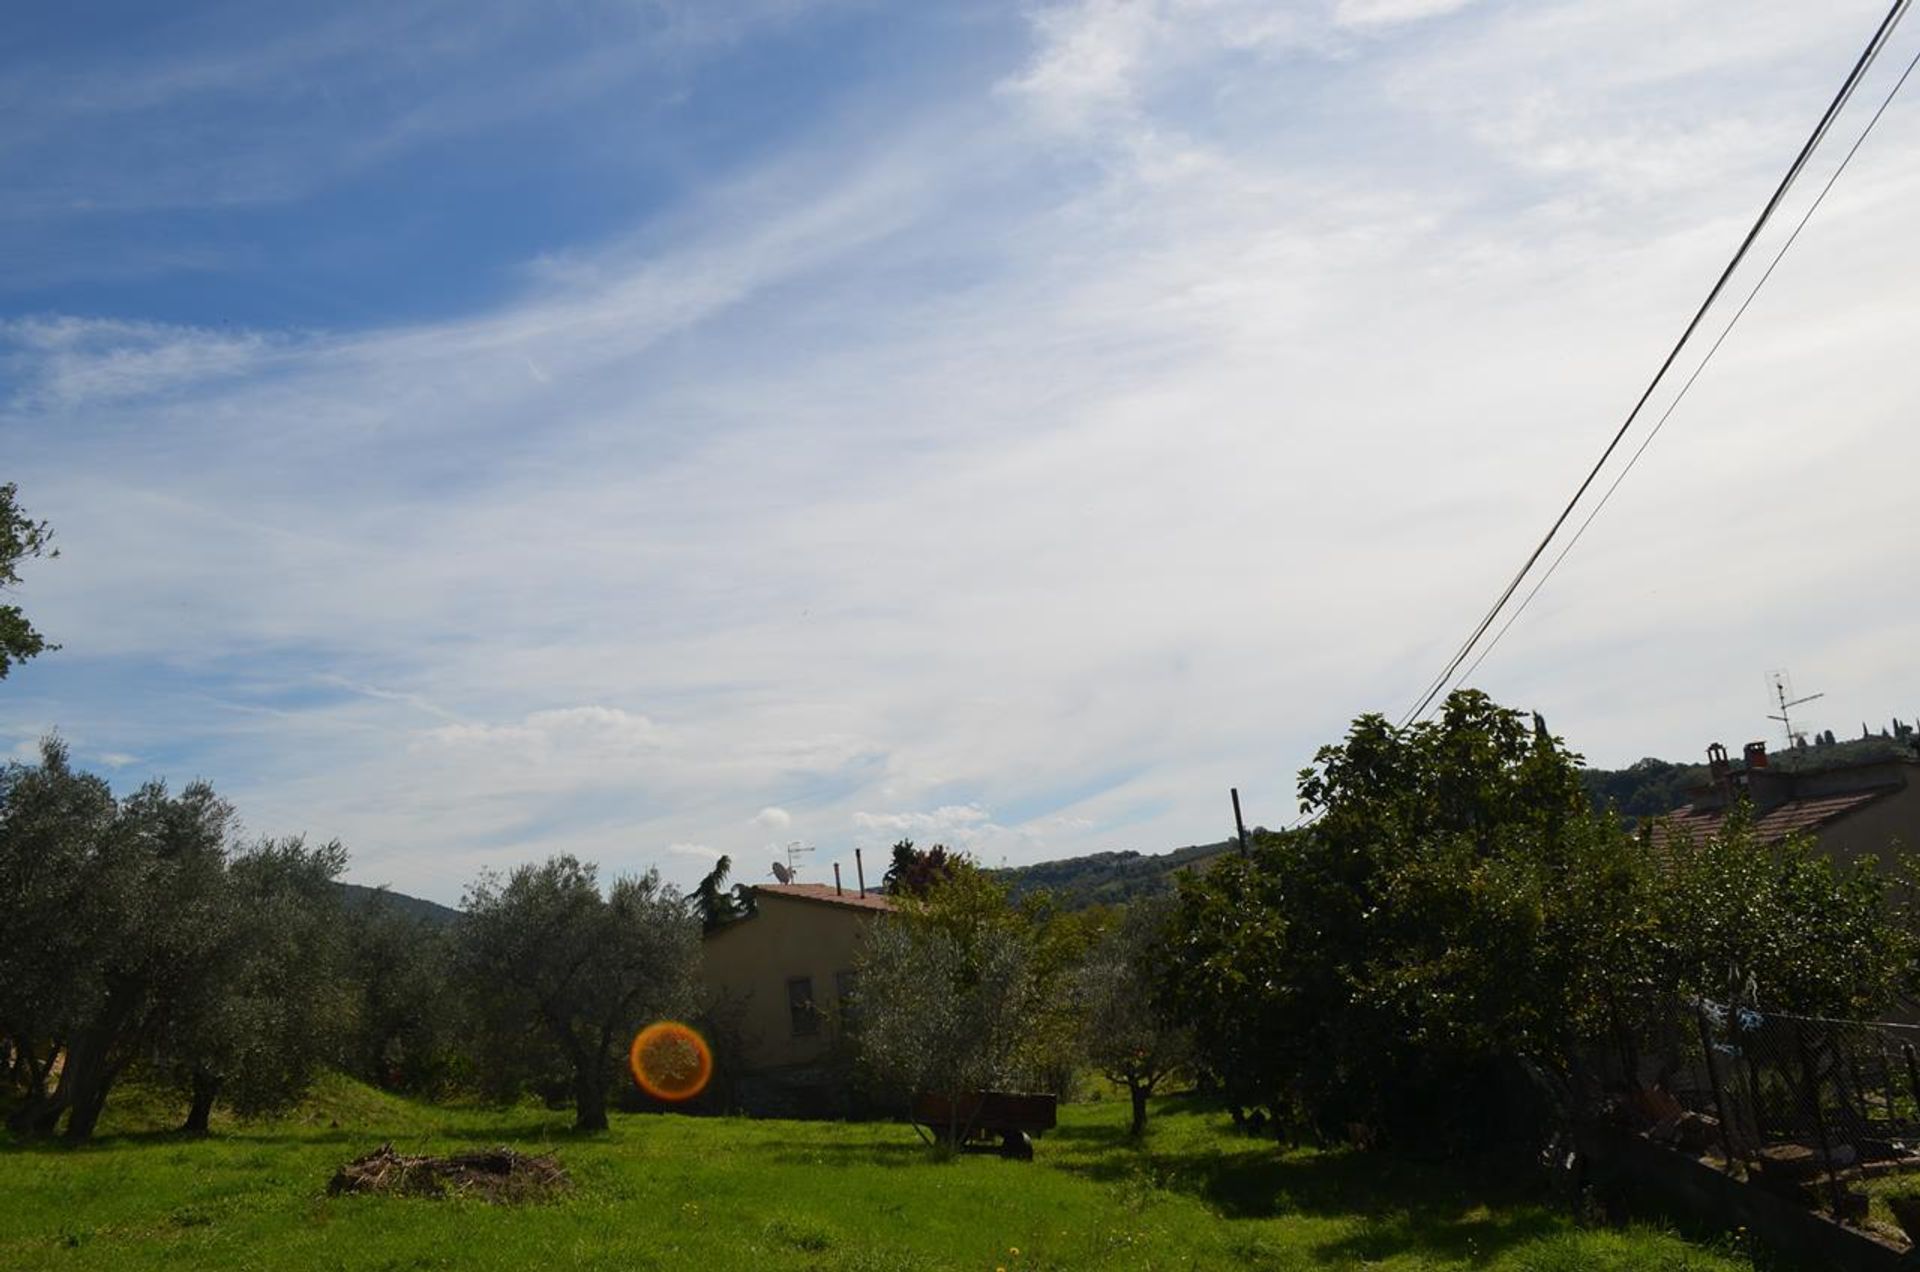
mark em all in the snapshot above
pixel 861 871
pixel 836 880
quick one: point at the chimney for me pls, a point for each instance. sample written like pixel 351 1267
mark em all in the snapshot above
pixel 836 880
pixel 1755 755
pixel 861 871
pixel 1720 773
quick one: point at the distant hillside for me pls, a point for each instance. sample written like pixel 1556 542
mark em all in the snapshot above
pixel 1109 878
pixel 1647 788
pixel 357 896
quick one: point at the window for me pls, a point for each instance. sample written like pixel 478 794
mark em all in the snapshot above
pixel 806 1021
pixel 846 988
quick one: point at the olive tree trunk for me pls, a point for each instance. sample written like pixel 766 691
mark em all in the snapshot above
pixel 206 1087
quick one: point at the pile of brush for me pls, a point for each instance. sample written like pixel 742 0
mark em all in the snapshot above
pixel 494 1174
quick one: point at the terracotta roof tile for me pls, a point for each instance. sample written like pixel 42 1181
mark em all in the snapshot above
pixel 849 897
pixel 1792 817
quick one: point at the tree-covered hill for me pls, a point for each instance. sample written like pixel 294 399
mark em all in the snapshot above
pixel 1646 788
pixel 358 896
pixel 1109 878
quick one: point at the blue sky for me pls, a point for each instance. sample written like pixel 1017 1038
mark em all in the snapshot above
pixel 653 430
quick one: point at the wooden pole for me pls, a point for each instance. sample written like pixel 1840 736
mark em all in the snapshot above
pixel 1811 1077
pixel 1713 1080
pixel 1239 825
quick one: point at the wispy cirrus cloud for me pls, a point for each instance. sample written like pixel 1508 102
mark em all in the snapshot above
pixel 66 362
pixel 1018 464
pixel 271 107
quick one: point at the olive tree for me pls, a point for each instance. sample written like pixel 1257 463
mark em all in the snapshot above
pixel 402 1021
pixel 1127 1035
pixel 54 822
pixel 938 1018
pixel 129 941
pixel 561 972
pixel 271 1007
pixel 955 989
pixel 130 932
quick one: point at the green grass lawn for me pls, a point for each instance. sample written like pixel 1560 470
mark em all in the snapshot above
pixel 711 1193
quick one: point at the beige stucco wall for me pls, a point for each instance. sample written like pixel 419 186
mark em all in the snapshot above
pixel 1872 831
pixel 747 965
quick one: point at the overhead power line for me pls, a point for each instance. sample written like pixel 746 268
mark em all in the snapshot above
pixel 1860 68
pixel 1667 414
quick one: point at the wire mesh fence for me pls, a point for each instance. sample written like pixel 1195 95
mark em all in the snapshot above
pixel 1797 1099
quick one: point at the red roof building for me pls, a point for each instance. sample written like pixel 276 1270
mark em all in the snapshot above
pixel 1870 808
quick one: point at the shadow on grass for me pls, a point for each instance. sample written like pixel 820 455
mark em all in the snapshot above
pixel 1472 1210
pixel 536 1133
pixel 1484 1239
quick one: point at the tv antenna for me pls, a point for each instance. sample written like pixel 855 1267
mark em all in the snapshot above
pixel 795 851
pixel 1781 688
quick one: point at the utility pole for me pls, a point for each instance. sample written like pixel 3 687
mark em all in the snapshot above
pixel 1238 825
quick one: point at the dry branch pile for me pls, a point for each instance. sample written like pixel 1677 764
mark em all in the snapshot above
pixel 495 1174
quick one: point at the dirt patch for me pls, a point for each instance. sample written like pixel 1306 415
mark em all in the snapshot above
pixel 494 1174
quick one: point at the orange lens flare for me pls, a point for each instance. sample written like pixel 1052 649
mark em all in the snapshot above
pixel 670 1061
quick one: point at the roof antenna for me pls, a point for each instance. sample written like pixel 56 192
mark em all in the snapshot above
pixel 1781 691
pixel 791 872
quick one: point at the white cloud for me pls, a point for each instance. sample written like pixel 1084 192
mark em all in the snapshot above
pixel 955 476
pixel 1089 54
pixel 1094 60
pixel 952 820
pixel 1382 13
pixel 73 362
pixel 592 734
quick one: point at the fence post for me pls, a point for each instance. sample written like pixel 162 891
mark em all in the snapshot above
pixel 1713 1080
pixel 1751 1072
pixel 1859 1091
pixel 1913 1075
pixel 1886 1087
pixel 1812 1080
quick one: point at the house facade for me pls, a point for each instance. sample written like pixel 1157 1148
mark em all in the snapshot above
pixel 782 984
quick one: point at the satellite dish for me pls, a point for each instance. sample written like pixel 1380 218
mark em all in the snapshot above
pixel 781 873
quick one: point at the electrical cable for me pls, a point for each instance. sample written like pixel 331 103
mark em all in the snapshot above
pixel 1681 396
pixel 1865 61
